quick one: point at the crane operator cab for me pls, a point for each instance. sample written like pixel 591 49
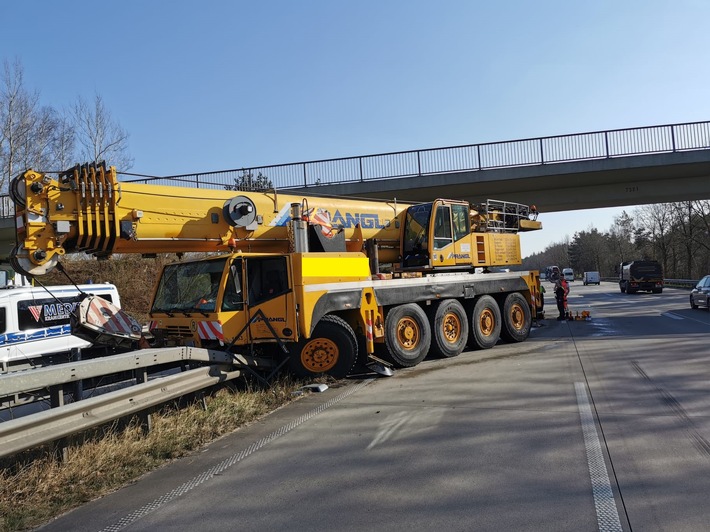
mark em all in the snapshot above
pixel 451 234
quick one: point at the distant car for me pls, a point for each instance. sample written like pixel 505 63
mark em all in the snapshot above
pixel 591 278
pixel 569 274
pixel 700 295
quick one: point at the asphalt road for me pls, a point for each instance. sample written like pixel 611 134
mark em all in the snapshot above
pixel 587 425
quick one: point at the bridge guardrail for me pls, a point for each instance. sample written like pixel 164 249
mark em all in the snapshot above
pixel 470 157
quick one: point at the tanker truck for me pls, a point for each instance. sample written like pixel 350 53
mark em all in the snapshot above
pixel 313 284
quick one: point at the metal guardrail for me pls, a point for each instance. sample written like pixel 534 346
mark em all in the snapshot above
pixel 668 283
pixel 34 379
pixel 44 427
pixel 472 157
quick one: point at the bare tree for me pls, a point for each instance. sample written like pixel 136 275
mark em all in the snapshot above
pixel 657 223
pixel 31 136
pixel 16 121
pixel 620 235
pixel 100 138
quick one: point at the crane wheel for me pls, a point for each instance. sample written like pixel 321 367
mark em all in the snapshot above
pixel 517 318
pixel 407 335
pixel 449 326
pixel 485 323
pixel 331 350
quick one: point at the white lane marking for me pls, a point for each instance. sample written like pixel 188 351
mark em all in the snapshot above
pixel 607 514
pixel 227 463
pixel 672 316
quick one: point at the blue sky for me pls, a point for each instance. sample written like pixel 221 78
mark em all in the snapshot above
pixel 212 85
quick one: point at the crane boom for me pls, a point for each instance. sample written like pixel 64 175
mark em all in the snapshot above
pixel 88 210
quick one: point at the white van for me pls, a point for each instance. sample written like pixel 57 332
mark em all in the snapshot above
pixel 591 278
pixel 35 323
pixel 568 274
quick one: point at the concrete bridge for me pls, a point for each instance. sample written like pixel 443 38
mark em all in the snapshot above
pixel 654 164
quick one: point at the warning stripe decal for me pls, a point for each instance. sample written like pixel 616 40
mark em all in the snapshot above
pixel 210 330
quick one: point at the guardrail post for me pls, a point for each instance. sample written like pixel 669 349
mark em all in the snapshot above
pixel 606 143
pixel 542 153
pixel 78 386
pixel 56 399
pixel 146 421
pixel 362 177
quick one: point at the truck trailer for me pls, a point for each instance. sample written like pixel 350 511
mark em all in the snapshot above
pixel 640 275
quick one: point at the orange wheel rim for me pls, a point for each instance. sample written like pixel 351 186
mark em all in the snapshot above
pixel 451 327
pixel 487 322
pixel 319 355
pixel 408 334
pixel 517 317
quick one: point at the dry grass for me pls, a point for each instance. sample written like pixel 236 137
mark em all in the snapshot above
pixel 35 486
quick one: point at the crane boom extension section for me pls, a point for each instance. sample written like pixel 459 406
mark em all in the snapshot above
pixel 315 283
pixel 88 210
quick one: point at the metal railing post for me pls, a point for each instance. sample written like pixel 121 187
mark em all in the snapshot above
pixel 673 138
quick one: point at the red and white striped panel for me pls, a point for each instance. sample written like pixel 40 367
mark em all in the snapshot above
pixel 210 330
pixel 103 314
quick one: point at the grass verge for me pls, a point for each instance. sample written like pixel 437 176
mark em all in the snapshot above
pixel 36 486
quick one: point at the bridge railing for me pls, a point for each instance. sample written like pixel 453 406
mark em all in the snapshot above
pixel 472 157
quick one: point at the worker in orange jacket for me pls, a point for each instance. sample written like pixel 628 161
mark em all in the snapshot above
pixel 561 292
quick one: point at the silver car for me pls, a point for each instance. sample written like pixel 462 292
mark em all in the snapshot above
pixel 700 295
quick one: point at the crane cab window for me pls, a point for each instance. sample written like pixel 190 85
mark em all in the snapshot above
pixel 233 295
pixel 442 227
pixel 267 278
pixel 460 221
pixel 416 227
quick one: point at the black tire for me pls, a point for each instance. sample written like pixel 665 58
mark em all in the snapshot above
pixel 693 305
pixel 449 326
pixel 331 350
pixel 407 335
pixel 622 287
pixel 517 318
pixel 485 323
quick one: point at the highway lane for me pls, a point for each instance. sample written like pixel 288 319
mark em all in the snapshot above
pixel 588 425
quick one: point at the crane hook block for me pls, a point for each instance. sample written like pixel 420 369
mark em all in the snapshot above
pixel 240 211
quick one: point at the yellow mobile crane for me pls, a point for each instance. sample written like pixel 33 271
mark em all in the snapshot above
pixel 311 282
